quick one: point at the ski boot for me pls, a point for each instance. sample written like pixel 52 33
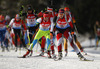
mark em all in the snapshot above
pixel 16 49
pixel 27 53
pixel 31 52
pixel 7 49
pixel 49 55
pixel 59 55
pixel 53 54
pixel 3 49
pixel 42 52
pixel 66 52
pixel 80 56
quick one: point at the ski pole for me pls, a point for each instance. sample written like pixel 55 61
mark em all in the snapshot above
pixel 76 30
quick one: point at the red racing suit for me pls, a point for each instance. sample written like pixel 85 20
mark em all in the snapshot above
pixel 63 27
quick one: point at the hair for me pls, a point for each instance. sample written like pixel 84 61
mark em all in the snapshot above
pixel 61 9
pixel 29 5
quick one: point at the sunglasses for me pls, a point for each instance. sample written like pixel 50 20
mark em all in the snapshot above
pixel 61 13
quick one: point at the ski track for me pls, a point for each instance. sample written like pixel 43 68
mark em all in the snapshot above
pixel 9 60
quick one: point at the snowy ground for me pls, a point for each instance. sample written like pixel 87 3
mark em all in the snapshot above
pixel 9 60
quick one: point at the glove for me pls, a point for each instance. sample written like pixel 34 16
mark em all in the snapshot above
pixel 21 8
pixel 72 33
pixel 51 35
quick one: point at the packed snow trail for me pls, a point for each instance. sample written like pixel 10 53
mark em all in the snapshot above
pixel 9 60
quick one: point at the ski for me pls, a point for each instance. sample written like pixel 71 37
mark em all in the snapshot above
pixel 45 56
pixel 88 55
pixel 21 57
pixel 42 56
pixel 24 57
pixel 57 59
pixel 85 54
pixel 39 56
pixel 84 59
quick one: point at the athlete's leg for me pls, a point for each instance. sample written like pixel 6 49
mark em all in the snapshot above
pixel 1 40
pixel 65 46
pixel 59 44
pixel 52 44
pixel 37 37
pixel 69 37
pixel 96 41
pixel 43 43
pixel 48 44
pixel 96 38
pixel 5 40
pixel 78 43
pixel 15 32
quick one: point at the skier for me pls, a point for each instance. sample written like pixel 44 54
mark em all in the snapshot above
pixel 63 28
pixel 31 22
pixel 7 18
pixel 30 18
pixel 45 25
pixel 51 15
pixel 8 37
pixel 17 24
pixel 97 33
pixel 3 28
pixel 71 21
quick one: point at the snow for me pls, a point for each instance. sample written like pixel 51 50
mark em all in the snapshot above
pixel 9 60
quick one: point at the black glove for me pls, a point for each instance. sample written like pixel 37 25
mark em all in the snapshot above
pixel 21 8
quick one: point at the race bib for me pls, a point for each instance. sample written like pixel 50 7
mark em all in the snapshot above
pixel 31 21
pixel 45 26
pixel 61 24
pixel 16 25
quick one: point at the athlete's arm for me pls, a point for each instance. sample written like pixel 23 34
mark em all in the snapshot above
pixel 52 25
pixel 38 21
pixel 11 22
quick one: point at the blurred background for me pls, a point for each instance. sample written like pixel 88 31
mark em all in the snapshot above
pixel 86 12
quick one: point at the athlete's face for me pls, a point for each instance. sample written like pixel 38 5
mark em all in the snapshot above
pixel 29 11
pixel 61 15
pixel 17 19
pixel 46 18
